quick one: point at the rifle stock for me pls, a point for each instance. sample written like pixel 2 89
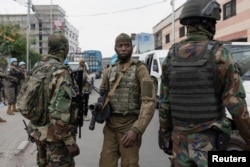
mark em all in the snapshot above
pixel 30 138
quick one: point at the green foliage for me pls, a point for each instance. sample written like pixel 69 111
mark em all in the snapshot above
pixel 13 44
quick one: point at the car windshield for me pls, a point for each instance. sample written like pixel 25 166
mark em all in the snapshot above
pixel 240 52
pixel 73 66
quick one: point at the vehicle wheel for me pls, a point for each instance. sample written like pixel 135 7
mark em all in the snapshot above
pixel 236 142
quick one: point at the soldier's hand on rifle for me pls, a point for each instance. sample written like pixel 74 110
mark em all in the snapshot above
pixel 73 150
pixel 165 143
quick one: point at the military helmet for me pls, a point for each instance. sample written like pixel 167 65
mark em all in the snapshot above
pixel 21 63
pixel 66 61
pixel 194 9
pixel 13 60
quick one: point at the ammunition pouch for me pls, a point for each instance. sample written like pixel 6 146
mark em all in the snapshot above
pixel 222 139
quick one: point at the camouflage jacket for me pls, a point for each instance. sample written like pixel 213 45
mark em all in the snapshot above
pixel 61 114
pixel 233 94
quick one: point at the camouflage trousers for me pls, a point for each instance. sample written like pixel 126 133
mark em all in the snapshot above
pixel 112 150
pixel 41 158
pixel 191 150
pixel 58 155
pixel 11 94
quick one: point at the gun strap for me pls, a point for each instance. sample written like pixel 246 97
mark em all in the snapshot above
pixel 111 92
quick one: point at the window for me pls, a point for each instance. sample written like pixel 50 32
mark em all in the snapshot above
pixel 229 9
pixel 33 26
pixel 182 32
pixel 167 38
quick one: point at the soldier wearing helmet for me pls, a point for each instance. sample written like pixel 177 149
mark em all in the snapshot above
pixel 12 85
pixel 56 141
pixel 198 81
pixel 22 68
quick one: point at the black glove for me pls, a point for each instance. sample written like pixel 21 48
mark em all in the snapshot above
pixel 73 150
pixel 165 143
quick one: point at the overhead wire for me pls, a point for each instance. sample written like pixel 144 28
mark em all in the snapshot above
pixel 119 11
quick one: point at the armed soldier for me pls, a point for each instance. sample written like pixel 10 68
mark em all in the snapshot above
pixel 198 82
pixel 12 84
pixel 132 99
pixel 56 139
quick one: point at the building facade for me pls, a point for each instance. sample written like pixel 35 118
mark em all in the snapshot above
pixel 233 26
pixel 44 20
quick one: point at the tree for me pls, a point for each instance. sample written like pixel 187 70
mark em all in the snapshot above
pixel 13 43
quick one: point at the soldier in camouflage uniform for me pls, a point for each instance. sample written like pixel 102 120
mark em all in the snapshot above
pixel 56 141
pixel 12 85
pixel 133 106
pixel 3 66
pixel 198 82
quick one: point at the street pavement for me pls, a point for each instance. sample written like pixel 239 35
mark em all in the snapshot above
pixel 16 151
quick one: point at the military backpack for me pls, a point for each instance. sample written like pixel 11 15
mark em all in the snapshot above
pixel 33 98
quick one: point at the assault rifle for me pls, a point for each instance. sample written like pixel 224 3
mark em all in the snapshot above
pixel 99 114
pixel 30 138
pixel 80 99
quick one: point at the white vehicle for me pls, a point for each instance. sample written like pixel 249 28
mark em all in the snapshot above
pixel 153 60
pixel 240 51
pixel 75 65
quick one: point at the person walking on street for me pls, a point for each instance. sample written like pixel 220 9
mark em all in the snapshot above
pixel 86 86
pixel 56 139
pixel 12 84
pixel 132 103
pixel 198 82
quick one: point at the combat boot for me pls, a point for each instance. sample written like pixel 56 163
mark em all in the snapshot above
pixel 14 108
pixel 2 120
pixel 9 111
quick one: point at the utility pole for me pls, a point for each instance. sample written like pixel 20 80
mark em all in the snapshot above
pixel 28 35
pixel 173 21
pixel 51 17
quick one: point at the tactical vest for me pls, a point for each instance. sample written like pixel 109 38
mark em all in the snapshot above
pixel 126 98
pixel 194 87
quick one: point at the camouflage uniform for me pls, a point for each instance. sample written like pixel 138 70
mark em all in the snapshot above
pixel 133 106
pixel 56 141
pixel 12 85
pixel 3 65
pixel 192 140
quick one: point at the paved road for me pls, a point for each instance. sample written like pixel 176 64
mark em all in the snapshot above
pixel 15 151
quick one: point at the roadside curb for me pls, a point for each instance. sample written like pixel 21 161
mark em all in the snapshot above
pixel 21 147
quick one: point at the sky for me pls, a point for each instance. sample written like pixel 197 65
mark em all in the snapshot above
pixel 100 21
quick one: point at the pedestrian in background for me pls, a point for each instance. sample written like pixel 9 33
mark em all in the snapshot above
pixel 198 82
pixel 132 103
pixel 56 140
pixel 85 85
pixel 12 85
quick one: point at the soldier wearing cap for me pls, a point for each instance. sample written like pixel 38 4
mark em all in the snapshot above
pixel 132 103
